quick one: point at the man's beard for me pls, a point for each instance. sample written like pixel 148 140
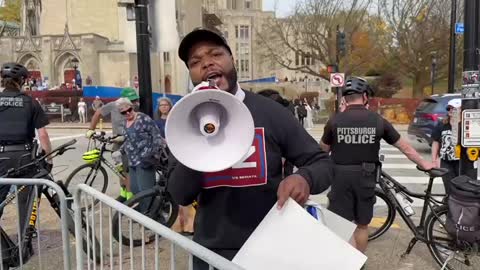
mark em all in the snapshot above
pixel 231 80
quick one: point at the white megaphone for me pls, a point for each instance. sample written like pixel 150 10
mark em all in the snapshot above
pixel 209 130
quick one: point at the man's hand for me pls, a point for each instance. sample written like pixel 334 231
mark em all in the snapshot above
pixel 436 163
pixel 89 133
pixel 426 165
pixel 294 186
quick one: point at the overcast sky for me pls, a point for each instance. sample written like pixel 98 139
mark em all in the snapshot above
pixel 284 7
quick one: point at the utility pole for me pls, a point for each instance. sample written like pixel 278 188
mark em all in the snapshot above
pixel 470 90
pixel 340 51
pixel 143 57
pixel 453 41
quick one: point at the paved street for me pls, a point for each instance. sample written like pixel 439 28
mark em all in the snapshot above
pixel 384 253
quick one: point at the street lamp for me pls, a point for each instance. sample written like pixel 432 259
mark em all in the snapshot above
pixel 75 63
pixel 306 83
pixel 137 10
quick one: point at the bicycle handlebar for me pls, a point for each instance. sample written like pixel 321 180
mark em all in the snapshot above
pixel 56 152
pixel 101 137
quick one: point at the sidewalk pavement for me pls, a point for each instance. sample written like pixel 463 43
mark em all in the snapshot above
pixel 108 125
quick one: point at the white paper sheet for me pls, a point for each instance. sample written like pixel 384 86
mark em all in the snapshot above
pixel 337 224
pixel 290 238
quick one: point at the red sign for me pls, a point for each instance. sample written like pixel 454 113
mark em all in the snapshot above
pixel 252 171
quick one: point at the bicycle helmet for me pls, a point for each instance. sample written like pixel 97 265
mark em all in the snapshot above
pixel 355 85
pixel 91 156
pixel 14 71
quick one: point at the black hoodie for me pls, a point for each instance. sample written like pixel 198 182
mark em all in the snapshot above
pixel 232 203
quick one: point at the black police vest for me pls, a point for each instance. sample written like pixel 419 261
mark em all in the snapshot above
pixel 16 111
pixel 357 136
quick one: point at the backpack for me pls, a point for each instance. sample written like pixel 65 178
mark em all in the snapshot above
pixel 301 111
pixel 463 218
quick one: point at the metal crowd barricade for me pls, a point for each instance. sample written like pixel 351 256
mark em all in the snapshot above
pixel 95 209
pixel 36 183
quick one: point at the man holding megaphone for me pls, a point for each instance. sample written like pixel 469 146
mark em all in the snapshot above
pixel 227 147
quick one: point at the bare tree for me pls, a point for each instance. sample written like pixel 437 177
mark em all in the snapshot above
pixel 311 32
pixel 420 33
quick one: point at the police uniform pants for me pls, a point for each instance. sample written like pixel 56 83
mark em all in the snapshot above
pixel 453 171
pixel 11 160
pixel 352 194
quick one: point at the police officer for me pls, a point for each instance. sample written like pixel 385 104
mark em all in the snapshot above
pixel 353 137
pixel 20 116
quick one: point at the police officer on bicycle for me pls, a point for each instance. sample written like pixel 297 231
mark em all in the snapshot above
pixel 353 138
pixel 20 116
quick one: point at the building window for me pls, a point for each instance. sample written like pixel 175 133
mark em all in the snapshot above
pixel 244 31
pixel 166 57
pixel 247 66
pixel 236 31
pixel 248 4
pixel 304 59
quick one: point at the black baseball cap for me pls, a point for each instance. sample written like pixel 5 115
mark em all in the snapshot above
pixel 198 35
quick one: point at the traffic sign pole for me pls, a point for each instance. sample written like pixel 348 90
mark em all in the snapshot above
pixel 470 89
pixel 453 41
pixel 337 81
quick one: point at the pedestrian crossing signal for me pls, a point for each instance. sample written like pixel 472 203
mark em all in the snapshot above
pixel 332 68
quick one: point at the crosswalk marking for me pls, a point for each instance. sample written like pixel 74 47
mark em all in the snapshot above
pixel 394 156
pixel 389 150
pixel 66 137
pixel 399 166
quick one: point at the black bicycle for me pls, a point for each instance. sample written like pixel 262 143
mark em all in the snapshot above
pixel 155 203
pixel 11 249
pixel 93 172
pixel 431 228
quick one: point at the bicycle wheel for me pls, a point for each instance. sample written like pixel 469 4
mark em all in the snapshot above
pixel 87 174
pixel 443 247
pixel 383 216
pixel 152 203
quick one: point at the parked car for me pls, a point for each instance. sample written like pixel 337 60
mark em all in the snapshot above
pixel 427 115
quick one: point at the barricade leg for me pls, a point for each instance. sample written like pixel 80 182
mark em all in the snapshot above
pixel 25 236
pixel 134 240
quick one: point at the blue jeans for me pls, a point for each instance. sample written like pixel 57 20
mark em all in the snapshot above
pixel 141 178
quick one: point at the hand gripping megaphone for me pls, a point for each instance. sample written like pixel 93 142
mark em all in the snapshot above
pixel 209 130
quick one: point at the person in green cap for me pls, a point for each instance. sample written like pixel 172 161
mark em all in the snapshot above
pixel 118 129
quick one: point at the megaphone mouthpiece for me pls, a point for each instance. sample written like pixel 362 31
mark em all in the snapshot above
pixel 208 115
pixel 209 128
